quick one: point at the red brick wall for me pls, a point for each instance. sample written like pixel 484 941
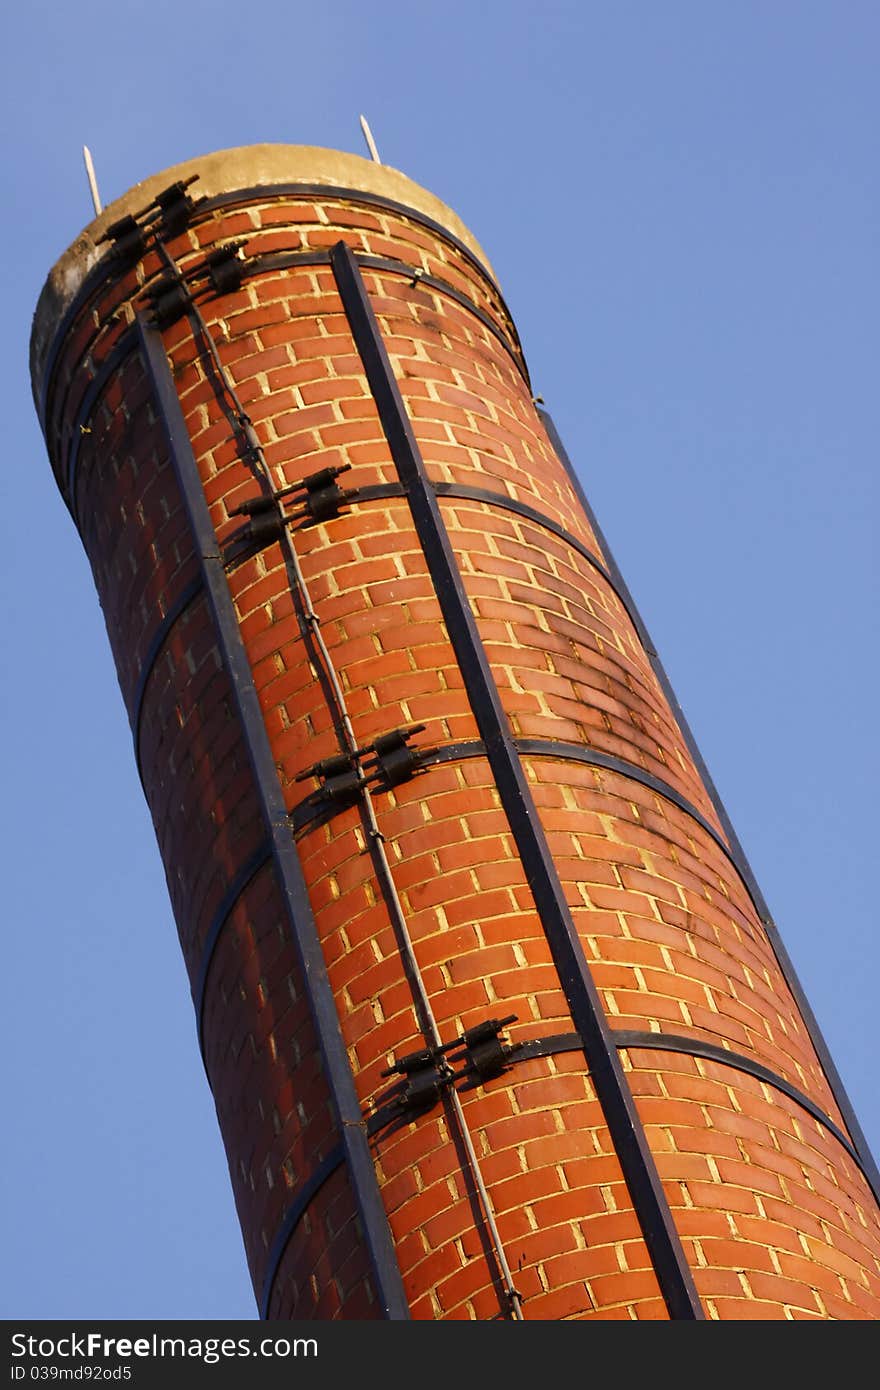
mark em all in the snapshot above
pixel 776 1218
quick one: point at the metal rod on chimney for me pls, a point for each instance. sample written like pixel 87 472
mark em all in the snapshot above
pixel 93 182
pixel 368 136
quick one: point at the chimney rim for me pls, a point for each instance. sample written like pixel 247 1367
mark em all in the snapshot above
pixel 223 172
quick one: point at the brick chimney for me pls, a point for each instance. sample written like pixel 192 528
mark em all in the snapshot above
pixel 495 1018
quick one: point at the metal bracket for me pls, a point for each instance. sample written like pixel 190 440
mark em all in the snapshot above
pixel 426 1075
pixel 266 521
pixel 170 297
pixel 225 268
pixel 175 206
pixel 321 500
pixel 323 496
pixel 392 760
pixel 340 780
pixel 483 1050
pixel 128 237
pixel 387 762
pixel 169 300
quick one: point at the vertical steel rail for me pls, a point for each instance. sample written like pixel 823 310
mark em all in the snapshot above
pixel 352 1126
pixel 738 854
pixel 649 1201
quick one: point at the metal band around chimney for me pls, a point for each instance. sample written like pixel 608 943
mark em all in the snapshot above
pixel 242 880
pixel 490 497
pixel 292 1217
pixel 661 1238
pixel 362 1173
pixel 310 813
pixel 553 1045
pixel 157 642
pixel 635 1039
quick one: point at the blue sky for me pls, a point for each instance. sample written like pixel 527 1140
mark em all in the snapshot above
pixel 681 203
